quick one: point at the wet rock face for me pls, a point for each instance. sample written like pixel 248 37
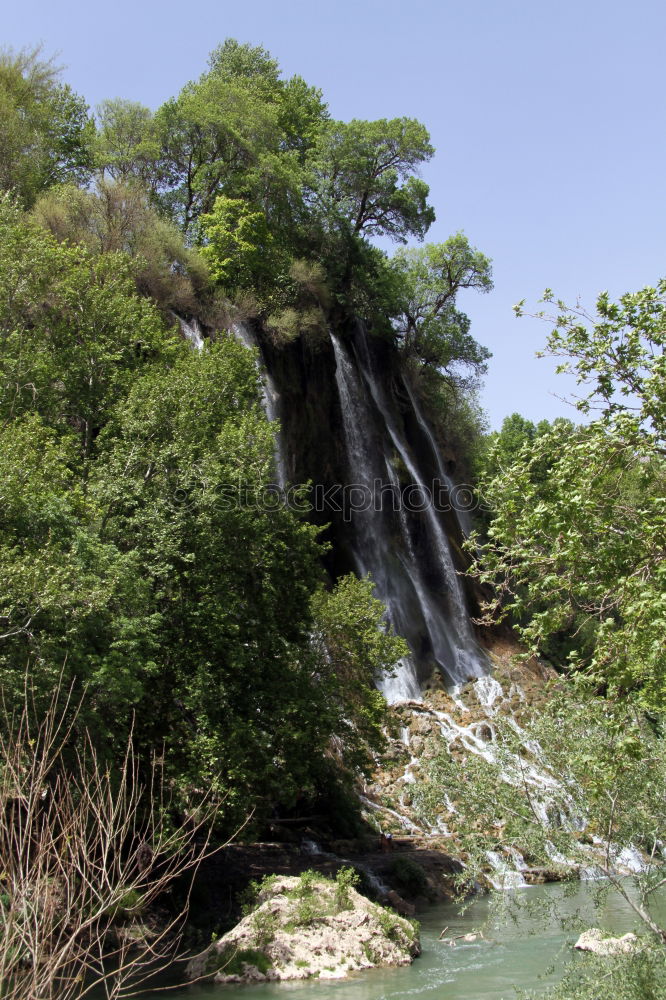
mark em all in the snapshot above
pixel 308 927
pixel 352 427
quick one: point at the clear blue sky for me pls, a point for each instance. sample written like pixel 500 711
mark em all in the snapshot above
pixel 548 120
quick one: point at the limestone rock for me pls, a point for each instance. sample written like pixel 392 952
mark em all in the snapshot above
pixel 594 941
pixel 301 930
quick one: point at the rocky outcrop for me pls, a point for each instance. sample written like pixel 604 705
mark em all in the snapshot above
pixel 308 927
pixel 594 941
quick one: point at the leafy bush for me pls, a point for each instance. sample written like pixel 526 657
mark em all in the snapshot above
pixel 345 879
pixel 410 876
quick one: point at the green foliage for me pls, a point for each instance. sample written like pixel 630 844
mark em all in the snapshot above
pixel 126 147
pixel 119 217
pixel 308 906
pixel 232 961
pixel 186 463
pixel 429 325
pixel 584 777
pixel 345 879
pixel 240 248
pixel 67 595
pixel 409 876
pixel 364 181
pixel 353 648
pixel 577 542
pixel 233 132
pixel 617 355
pixel 516 437
pixel 307 883
pixel 578 539
pixel 250 897
pixel 392 926
pixel 264 926
pixel 45 131
pixel 75 333
pixel 641 976
pixel 495 454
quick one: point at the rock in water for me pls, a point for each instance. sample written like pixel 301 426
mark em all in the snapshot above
pixel 594 941
pixel 308 926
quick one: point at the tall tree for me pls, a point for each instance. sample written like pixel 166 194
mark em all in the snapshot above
pixel 430 327
pixel 126 147
pixel 241 131
pixel 46 133
pixel 365 181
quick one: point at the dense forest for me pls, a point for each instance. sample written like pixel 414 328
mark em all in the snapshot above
pixel 152 600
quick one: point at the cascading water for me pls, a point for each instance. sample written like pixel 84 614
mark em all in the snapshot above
pixel 462 514
pixel 192 331
pixel 372 550
pixel 338 425
pixel 270 397
pixel 422 593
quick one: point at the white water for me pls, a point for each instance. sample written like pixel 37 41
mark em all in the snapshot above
pixel 192 332
pixel 270 397
pixel 372 439
pixel 372 552
pixel 461 513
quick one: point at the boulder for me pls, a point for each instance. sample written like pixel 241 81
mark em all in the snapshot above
pixel 594 941
pixel 307 927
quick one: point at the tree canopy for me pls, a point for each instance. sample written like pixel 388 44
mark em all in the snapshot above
pixel 45 130
pixel 577 542
pixel 430 326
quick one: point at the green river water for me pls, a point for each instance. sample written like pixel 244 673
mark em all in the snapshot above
pixel 529 954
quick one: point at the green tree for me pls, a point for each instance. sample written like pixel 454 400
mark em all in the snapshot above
pixel 69 601
pixel 75 333
pixel 240 248
pixel 430 327
pixel 516 437
pixel 578 539
pixel 353 649
pixel 126 147
pixel 364 178
pixel 241 131
pixel 45 132
pixel 183 481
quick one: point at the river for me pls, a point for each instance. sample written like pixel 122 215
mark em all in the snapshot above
pixel 529 953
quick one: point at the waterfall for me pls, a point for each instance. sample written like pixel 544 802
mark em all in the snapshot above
pixel 372 548
pixel 270 397
pixel 432 616
pixel 462 515
pixel 404 548
pixel 192 331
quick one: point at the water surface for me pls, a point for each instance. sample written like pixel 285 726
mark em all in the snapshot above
pixel 528 953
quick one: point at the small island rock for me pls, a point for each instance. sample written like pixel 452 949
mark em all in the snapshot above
pixel 308 927
pixel 594 941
